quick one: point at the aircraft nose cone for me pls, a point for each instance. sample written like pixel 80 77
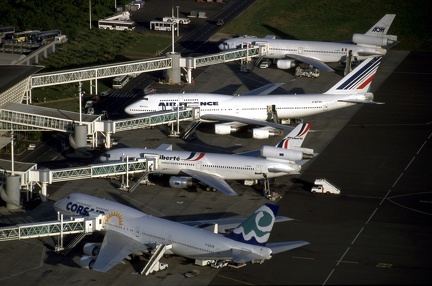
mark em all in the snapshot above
pixel 221 46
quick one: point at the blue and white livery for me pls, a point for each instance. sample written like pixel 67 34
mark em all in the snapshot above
pixel 129 231
pixel 258 107
pixel 288 53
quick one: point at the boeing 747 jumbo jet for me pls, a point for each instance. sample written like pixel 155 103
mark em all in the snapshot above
pixel 213 168
pixel 258 107
pixel 129 231
pixel 288 53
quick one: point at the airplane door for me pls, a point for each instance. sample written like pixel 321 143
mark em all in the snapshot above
pixel 300 50
pixel 258 169
pixel 236 109
pixel 198 165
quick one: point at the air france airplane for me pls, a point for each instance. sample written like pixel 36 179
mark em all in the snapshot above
pixel 288 53
pixel 129 231
pixel 214 168
pixel 257 107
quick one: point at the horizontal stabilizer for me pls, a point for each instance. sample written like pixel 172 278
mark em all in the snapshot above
pixel 278 247
pixel 263 90
pixel 243 256
pixel 361 101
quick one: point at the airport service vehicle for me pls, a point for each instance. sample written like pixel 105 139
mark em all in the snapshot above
pixel 181 21
pixel 289 53
pixel 325 187
pixel 120 81
pixel 129 231
pixel 119 22
pixel 162 26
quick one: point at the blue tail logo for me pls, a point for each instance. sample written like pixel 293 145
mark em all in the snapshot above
pixel 257 227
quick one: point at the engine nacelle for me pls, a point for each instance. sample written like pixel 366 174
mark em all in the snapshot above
pixel 87 262
pixel 180 182
pixel 224 129
pixel 284 154
pixel 259 133
pixel 285 64
pixel 91 249
pixel 381 41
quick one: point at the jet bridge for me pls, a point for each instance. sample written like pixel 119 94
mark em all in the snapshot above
pixel 112 169
pixel 81 226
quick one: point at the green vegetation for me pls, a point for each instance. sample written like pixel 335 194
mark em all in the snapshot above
pixel 328 20
pixel 332 20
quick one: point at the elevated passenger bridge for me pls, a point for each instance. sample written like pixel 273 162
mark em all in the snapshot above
pixel 75 225
pixel 138 66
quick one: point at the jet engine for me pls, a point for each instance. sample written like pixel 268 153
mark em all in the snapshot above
pixel 260 133
pixel 180 182
pixel 91 249
pixel 381 41
pixel 285 64
pixel 284 154
pixel 224 129
pixel 87 262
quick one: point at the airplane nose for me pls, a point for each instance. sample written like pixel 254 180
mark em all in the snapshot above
pixel 221 46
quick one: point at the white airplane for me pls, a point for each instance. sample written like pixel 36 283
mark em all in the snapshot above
pixel 214 168
pixel 130 232
pixel 257 107
pixel 288 53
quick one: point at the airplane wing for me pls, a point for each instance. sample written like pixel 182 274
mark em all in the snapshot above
pixel 263 90
pixel 219 117
pixel 115 247
pixel 213 181
pixel 226 224
pixel 277 247
pixel 311 61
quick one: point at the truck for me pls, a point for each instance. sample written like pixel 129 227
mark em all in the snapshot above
pixel 325 187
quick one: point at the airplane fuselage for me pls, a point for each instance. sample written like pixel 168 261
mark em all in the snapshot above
pixel 225 166
pixel 246 106
pixel 186 241
pixel 323 51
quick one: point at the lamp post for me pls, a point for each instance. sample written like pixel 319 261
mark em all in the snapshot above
pixel 178 26
pixel 90 14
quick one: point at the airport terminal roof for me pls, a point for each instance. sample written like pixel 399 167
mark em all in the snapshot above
pixel 10 75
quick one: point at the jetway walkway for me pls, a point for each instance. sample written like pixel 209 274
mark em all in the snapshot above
pixel 52 228
pixel 138 66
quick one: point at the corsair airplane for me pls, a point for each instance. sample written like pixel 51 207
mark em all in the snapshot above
pixel 288 53
pixel 258 107
pixel 129 231
pixel 214 168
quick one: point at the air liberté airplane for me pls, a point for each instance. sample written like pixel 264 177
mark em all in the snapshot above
pixel 214 168
pixel 258 107
pixel 129 231
pixel 288 53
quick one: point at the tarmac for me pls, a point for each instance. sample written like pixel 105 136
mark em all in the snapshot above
pixel 376 232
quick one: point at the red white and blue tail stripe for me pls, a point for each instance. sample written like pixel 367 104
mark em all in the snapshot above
pixel 358 80
pixel 295 137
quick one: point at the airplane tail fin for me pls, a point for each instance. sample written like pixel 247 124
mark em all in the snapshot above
pixel 359 79
pixel 295 137
pixel 382 26
pixel 377 35
pixel 257 227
